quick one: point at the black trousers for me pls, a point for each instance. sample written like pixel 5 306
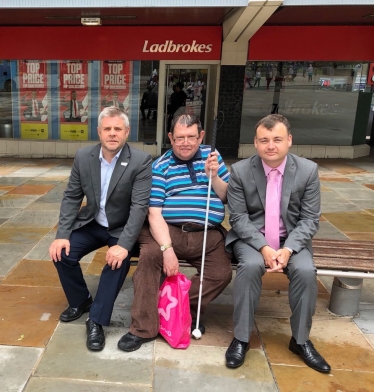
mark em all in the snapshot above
pixel 83 241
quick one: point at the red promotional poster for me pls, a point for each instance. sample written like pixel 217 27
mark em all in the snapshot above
pixel 115 84
pixel 74 100
pixel 33 99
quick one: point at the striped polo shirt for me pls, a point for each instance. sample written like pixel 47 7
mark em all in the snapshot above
pixel 180 188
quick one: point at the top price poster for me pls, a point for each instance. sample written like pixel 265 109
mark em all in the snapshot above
pixel 33 99
pixel 115 84
pixel 74 91
pixel 74 100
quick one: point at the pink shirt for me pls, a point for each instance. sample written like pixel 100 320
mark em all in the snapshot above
pixel 280 168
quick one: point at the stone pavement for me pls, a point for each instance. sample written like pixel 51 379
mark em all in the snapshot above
pixel 39 353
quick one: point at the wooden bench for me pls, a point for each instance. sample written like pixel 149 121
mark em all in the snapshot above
pixel 338 259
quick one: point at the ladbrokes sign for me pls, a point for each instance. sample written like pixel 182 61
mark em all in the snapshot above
pixel 171 47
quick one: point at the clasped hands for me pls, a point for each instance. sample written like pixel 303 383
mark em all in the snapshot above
pixel 276 260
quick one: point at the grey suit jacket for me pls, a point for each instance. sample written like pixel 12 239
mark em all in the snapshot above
pixel 300 202
pixel 127 199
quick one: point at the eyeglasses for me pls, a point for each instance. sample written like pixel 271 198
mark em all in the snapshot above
pixel 181 139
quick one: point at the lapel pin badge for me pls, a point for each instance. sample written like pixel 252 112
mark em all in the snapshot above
pixel 124 164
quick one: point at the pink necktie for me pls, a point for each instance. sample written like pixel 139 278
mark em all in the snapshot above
pixel 75 109
pixel 272 211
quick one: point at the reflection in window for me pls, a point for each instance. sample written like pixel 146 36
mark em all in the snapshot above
pixel 315 96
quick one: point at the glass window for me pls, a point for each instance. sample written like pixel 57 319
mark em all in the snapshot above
pixel 61 99
pixel 318 98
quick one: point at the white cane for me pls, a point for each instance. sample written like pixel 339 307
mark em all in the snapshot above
pixel 196 333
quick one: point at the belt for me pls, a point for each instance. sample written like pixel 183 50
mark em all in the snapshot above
pixel 194 227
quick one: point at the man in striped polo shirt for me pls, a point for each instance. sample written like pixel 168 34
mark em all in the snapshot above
pixel 175 229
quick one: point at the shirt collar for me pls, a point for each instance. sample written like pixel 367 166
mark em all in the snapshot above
pixel 101 157
pixel 280 168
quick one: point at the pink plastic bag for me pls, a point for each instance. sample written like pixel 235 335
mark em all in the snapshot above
pixel 174 311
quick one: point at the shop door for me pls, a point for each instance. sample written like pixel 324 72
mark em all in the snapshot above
pixel 192 80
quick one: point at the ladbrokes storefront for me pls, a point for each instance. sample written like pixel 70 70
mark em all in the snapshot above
pixel 58 79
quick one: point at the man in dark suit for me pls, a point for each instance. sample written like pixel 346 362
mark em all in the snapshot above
pixel 73 112
pixel 34 108
pixel 274 206
pixel 113 102
pixel 116 180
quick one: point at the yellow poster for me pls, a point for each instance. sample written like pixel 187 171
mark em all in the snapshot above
pixel 74 131
pixel 34 130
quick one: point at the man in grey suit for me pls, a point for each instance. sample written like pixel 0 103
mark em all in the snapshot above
pixel 116 180
pixel 274 192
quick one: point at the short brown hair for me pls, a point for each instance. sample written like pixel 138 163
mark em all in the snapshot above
pixel 270 121
pixel 186 119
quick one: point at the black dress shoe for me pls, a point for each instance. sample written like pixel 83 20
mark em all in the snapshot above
pixel 201 326
pixel 235 354
pixel 71 314
pixel 95 336
pixel 310 355
pixel 130 342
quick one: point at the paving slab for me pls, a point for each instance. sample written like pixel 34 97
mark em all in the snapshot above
pixel 29 315
pixel 67 357
pixel 16 364
pixel 17 201
pixel 41 384
pixel 188 370
pixel 338 340
pixel 13 235
pixel 296 379
pixel 11 255
pixel 34 219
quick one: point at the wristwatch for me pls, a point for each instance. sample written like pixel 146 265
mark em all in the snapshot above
pixel 164 247
pixel 289 249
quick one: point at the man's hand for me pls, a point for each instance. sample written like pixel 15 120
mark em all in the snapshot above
pixel 270 258
pixel 56 248
pixel 212 164
pixel 115 256
pixel 283 256
pixel 171 263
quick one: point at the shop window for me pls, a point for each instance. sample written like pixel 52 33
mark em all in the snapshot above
pixel 318 98
pixel 62 99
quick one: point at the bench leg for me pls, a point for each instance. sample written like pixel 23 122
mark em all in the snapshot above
pixel 345 296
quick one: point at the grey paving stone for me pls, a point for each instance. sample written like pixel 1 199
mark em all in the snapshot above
pixel 343 185
pixel 53 196
pixel 34 219
pixel 365 321
pixel 188 370
pixel 67 357
pixel 11 255
pixel 41 384
pixel 9 212
pixel 16 364
pixel 44 206
pixel 328 231
pixel 40 250
pixel 32 171
pixel 17 201
pixel 13 180
pixel 355 194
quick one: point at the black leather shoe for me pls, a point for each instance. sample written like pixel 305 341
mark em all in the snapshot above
pixel 310 355
pixel 130 342
pixel 201 326
pixel 235 354
pixel 95 336
pixel 71 314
